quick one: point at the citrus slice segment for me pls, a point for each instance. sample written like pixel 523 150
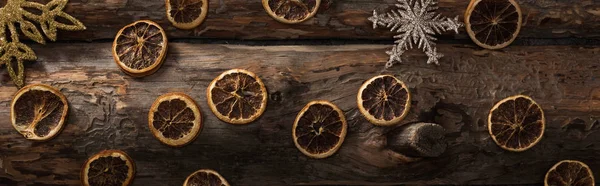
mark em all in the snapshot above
pixel 383 100
pixel 139 48
pixel 175 119
pixel 237 96
pixel 516 123
pixel 493 24
pixel 319 129
pixel 186 14
pixel 109 167
pixel 569 173
pixel 38 112
pixel 291 11
pixel 205 177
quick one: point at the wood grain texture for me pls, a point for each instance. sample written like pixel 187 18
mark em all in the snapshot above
pixel 341 19
pixel 109 111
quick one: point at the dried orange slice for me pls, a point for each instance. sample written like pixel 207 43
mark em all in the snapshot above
pixel 38 112
pixel 205 177
pixel 186 14
pixel 175 119
pixel 569 173
pixel 493 24
pixel 140 48
pixel 383 100
pixel 237 96
pixel 291 11
pixel 109 167
pixel 319 129
pixel 516 123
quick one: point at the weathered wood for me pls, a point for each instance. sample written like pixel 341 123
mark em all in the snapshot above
pixel 109 110
pixel 244 19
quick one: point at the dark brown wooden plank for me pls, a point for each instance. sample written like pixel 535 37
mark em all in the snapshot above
pixel 243 19
pixel 109 109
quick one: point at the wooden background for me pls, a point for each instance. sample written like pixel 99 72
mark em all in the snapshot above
pixel 555 60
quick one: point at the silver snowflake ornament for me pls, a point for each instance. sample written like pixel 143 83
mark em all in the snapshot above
pixel 417 22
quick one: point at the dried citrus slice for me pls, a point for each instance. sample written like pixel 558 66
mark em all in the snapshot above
pixel 516 123
pixel 175 119
pixel 383 100
pixel 237 96
pixel 493 24
pixel 291 11
pixel 569 173
pixel 109 167
pixel 140 48
pixel 319 129
pixel 186 14
pixel 38 112
pixel 205 177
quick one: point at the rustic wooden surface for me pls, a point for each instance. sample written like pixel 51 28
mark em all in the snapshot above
pixel 109 109
pixel 342 19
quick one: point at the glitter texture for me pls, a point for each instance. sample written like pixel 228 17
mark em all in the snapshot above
pixel 417 22
pixel 47 16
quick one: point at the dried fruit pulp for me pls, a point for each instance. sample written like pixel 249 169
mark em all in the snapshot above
pixel 569 172
pixel 140 48
pixel 175 119
pixel 319 129
pixel 291 11
pixel 109 167
pixel 237 96
pixel 38 111
pixel 383 100
pixel 516 123
pixel 205 177
pixel 493 24
pixel 186 14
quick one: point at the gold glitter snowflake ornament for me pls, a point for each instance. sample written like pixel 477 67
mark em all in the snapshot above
pixel 14 14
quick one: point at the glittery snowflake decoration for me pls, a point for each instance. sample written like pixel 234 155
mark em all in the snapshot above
pixel 417 22
pixel 17 13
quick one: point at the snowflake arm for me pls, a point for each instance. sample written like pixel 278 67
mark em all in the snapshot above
pixel 394 54
pixel 15 13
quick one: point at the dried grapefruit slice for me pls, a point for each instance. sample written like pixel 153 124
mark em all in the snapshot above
pixel 493 24
pixel 205 177
pixel 175 119
pixel 38 112
pixel 291 11
pixel 237 96
pixel 383 100
pixel 319 129
pixel 516 123
pixel 140 48
pixel 109 167
pixel 569 173
pixel 186 14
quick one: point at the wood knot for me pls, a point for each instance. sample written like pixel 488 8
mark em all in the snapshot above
pixel 276 97
pixel 418 140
